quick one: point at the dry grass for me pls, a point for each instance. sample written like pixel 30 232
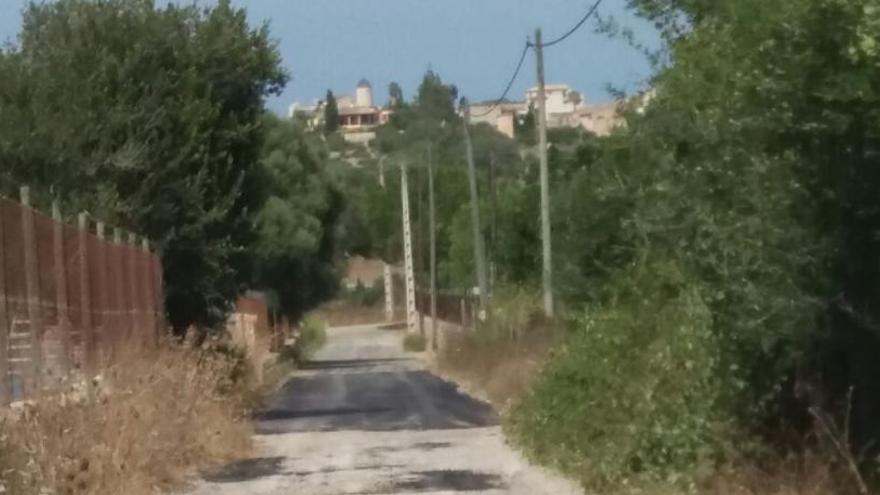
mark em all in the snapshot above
pixel 500 359
pixel 344 313
pixel 499 369
pixel 152 421
pixel 805 474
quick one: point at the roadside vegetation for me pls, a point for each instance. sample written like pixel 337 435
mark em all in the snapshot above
pixel 414 342
pixel 152 118
pixel 308 338
pixel 715 258
pixel 150 422
pixel 502 357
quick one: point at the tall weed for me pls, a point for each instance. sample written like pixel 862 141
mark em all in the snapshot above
pixel 147 424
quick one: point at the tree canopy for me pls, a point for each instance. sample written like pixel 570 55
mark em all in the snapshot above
pixel 151 119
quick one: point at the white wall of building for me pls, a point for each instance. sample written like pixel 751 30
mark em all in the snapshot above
pixel 364 96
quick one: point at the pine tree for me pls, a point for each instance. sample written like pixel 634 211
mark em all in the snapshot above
pixel 331 114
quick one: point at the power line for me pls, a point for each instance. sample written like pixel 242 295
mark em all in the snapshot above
pixel 525 52
pixel 576 26
pixel 516 72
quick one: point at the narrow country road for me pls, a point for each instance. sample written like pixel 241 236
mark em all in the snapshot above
pixel 364 418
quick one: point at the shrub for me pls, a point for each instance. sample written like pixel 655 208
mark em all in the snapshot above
pixel 515 311
pixel 312 335
pixel 629 398
pixel 414 342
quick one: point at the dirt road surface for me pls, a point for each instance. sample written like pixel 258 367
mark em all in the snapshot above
pixel 364 418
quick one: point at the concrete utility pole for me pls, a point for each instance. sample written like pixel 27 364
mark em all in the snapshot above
pixel 547 273
pixel 407 253
pixel 479 249
pixel 432 229
pixel 386 268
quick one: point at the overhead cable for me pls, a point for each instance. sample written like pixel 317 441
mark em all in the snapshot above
pixel 516 72
pixel 573 30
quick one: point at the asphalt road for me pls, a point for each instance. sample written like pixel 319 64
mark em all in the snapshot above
pixel 365 418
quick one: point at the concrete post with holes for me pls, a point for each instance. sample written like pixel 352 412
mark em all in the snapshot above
pixel 389 293
pixel 408 254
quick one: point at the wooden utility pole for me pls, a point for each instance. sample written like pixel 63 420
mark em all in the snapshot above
pixel 547 272
pixel 479 249
pixel 408 253
pixel 432 233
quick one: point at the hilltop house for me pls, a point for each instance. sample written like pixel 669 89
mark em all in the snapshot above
pixel 358 116
pixel 565 108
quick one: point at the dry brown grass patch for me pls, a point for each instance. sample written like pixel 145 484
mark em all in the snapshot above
pixel 499 368
pixel 152 421
pixel 344 313
pixel 804 474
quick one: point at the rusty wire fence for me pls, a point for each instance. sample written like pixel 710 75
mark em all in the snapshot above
pixel 455 307
pixel 70 297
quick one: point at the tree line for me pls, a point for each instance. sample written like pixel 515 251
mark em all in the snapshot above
pixel 154 119
pixel 716 256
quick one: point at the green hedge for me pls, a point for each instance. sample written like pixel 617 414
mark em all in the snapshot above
pixel 629 399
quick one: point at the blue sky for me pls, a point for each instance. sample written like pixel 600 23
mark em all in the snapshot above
pixel 471 43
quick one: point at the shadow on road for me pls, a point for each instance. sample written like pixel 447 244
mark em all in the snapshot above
pixel 351 363
pixel 246 470
pixel 370 401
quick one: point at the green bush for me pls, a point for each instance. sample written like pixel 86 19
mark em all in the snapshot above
pixel 312 336
pixel 628 399
pixel 414 343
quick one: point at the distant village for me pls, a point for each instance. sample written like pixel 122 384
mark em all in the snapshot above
pixel 566 108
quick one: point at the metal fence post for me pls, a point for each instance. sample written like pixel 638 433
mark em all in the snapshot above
pixel 32 282
pixel 159 301
pixel 133 296
pixel 102 263
pixel 5 383
pixel 118 282
pixel 149 292
pixel 87 330
pixel 61 296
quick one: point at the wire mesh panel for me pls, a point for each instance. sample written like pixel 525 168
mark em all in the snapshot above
pixel 451 307
pixel 19 337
